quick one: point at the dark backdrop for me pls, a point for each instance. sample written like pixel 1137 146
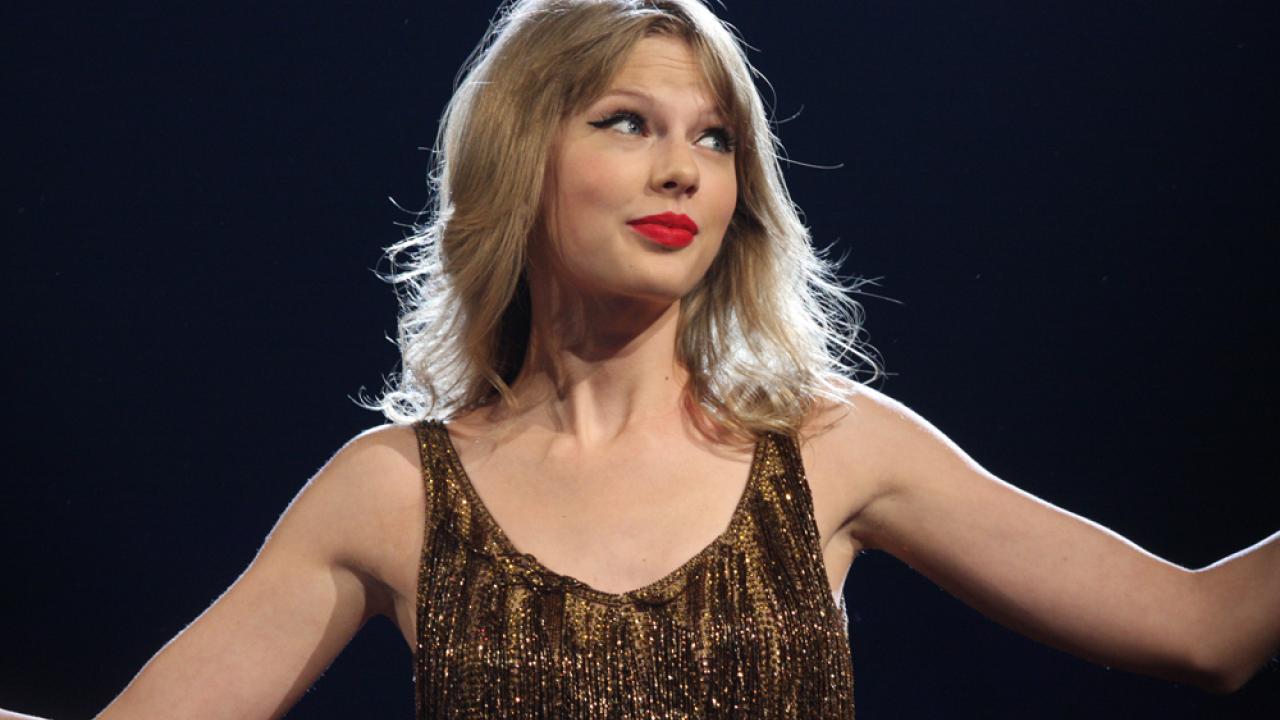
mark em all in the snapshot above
pixel 1074 208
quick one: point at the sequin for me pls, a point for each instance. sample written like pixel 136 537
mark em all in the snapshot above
pixel 747 628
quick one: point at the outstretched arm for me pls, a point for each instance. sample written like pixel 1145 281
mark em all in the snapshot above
pixel 1241 593
pixel 1054 576
pixel 258 648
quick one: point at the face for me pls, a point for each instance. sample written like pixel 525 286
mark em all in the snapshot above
pixel 652 145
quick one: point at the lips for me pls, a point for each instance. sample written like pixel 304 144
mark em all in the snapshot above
pixel 666 229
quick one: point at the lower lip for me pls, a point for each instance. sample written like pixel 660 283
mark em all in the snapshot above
pixel 665 235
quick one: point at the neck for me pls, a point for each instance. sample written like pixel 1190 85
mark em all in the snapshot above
pixel 597 367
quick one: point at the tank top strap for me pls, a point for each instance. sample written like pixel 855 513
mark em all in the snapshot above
pixel 785 467
pixel 449 508
pixel 433 462
pixel 428 457
pixel 788 528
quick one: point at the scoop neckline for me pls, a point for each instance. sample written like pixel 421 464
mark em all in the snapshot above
pixel 661 586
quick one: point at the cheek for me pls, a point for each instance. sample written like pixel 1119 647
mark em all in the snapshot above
pixel 592 183
pixel 589 199
pixel 730 186
pixel 725 198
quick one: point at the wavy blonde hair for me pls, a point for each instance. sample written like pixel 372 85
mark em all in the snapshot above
pixel 769 330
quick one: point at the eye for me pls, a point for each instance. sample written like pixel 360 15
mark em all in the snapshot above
pixel 629 122
pixel 723 140
pixel 625 121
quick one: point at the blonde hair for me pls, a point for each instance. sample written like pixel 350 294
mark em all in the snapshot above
pixel 768 331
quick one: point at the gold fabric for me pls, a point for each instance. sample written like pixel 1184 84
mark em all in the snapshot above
pixel 747 628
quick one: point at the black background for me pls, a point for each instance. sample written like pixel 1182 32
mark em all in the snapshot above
pixel 1074 206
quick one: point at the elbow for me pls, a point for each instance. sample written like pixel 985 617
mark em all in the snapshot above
pixel 1216 685
pixel 1216 676
pixel 1219 656
pixel 1224 683
pixel 1231 680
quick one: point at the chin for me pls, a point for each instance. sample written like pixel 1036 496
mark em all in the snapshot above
pixel 654 296
pixel 661 291
pixel 655 283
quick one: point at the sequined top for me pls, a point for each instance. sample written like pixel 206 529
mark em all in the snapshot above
pixel 747 628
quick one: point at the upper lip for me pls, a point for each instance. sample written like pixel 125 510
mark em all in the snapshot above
pixel 670 219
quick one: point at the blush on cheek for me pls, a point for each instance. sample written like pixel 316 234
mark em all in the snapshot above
pixel 596 179
pixel 591 190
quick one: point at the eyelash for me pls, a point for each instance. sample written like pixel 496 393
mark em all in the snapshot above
pixel 726 139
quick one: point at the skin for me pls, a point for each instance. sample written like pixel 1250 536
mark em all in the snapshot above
pixel 601 451
pixel 606 299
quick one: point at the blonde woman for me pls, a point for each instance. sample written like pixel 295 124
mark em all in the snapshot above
pixel 628 469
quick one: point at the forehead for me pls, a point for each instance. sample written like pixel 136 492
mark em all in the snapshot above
pixel 664 64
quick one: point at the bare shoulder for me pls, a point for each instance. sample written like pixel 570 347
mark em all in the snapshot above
pixel 372 491
pixel 379 464
pixel 867 425
pixel 321 573
pixel 878 451
pixel 861 427
pixel 850 447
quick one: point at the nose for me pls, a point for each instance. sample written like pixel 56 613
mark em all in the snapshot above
pixel 675 170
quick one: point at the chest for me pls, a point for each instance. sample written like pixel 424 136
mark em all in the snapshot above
pixel 619 523
pixel 615 524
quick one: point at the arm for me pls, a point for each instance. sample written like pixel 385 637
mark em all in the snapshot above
pixel 257 649
pixel 1049 574
pixel 1241 593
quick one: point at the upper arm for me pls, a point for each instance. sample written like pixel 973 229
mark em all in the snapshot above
pixel 313 584
pixel 1043 571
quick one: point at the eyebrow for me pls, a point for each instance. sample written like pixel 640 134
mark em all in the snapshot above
pixel 633 92
pixel 713 112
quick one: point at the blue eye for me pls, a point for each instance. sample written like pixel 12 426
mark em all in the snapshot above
pixel 724 139
pixel 628 122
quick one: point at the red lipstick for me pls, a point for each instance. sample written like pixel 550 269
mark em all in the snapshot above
pixel 666 229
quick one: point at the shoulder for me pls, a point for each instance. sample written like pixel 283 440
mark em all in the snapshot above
pixel 853 448
pixel 369 498
pixel 378 467
pixel 379 458
pixel 876 452
pixel 863 423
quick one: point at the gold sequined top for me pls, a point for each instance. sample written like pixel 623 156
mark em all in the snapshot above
pixel 747 628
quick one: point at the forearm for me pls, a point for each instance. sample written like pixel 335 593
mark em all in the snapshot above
pixel 1240 601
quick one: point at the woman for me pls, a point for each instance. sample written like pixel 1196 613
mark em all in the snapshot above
pixel 611 375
